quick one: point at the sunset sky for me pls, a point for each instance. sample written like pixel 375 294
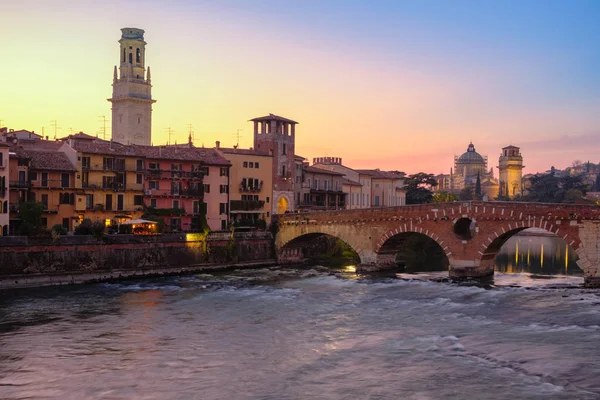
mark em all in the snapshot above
pixel 383 84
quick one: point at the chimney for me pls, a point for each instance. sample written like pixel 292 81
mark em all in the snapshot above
pixel 218 144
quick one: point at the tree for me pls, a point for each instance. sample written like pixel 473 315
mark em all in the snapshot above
pixel 444 197
pixel 30 213
pixel 466 193
pixel 545 189
pixel 478 187
pixel 418 188
pixel 597 184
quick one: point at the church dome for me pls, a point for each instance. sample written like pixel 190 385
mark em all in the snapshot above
pixel 471 156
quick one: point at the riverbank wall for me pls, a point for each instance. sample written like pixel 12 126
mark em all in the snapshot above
pixel 26 262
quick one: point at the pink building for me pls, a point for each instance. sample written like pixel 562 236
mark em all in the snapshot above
pixel 173 188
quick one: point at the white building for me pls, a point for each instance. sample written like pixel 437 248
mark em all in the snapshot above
pixel 132 98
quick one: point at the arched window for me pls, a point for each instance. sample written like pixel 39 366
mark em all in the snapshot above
pixel 137 55
pixel 5 206
pixel 130 58
pixel 124 54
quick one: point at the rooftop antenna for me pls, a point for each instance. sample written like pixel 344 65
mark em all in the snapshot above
pixel 103 127
pixel 54 124
pixel 238 136
pixel 170 132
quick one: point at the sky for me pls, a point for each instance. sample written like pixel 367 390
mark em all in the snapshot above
pixel 395 85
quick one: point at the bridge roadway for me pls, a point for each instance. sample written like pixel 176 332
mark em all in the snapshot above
pixel 470 233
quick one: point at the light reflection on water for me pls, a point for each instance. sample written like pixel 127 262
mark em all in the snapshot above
pixel 531 252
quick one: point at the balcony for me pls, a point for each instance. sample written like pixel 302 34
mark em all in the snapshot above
pixel 175 193
pixel 20 184
pixel 246 188
pixel 246 205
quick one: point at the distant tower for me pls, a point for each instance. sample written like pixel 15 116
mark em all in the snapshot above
pixel 510 165
pixel 276 135
pixel 132 99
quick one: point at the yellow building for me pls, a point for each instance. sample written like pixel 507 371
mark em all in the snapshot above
pixel 111 178
pixel 510 165
pixel 251 185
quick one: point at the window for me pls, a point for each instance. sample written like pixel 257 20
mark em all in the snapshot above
pixel 120 202
pixel 196 207
pixel 176 170
pixel 33 176
pixel 205 170
pixel 109 202
pixel 45 201
pixel 376 200
pixel 85 162
pixel 256 165
pixel 153 203
pixel 326 185
pixel 44 222
pixel 176 188
pixel 139 165
pixel 224 189
pixel 22 177
pixel 138 200
pixel 317 184
pixel 377 185
pixel 64 198
pixel 108 163
pixel 175 203
pixel 153 185
pixel 223 225
pixel 124 54
pixel 251 164
pixel 245 164
pixel 89 201
pixel 139 179
pixel 108 182
pixel 224 171
pixel 65 180
pixel 137 56
pixel 153 165
pixel 268 199
pixel 284 150
pixel 175 224
pixel 44 179
pixel 223 208
pixel 130 58
pixel 283 172
pixel 206 188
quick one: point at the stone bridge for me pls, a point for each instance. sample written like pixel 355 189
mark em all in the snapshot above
pixel 470 233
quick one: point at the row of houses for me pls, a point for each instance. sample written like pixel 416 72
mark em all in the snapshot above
pixel 83 177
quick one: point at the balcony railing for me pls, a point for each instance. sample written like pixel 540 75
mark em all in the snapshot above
pixel 175 193
pixel 20 184
pixel 246 205
pixel 246 188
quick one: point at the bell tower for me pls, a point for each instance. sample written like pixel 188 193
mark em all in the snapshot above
pixel 510 166
pixel 132 98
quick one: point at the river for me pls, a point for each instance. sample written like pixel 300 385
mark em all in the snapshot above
pixel 309 333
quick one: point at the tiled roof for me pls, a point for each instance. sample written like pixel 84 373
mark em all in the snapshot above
pixel 321 171
pixel 272 117
pixel 80 136
pixel 39 145
pixel 346 181
pixel 299 158
pixel 250 152
pixel 105 147
pixel 47 160
pixel 377 174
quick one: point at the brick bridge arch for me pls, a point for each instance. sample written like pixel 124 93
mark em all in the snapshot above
pixel 367 231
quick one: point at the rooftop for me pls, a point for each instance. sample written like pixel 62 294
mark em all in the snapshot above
pixel 323 171
pixel 250 152
pixel 378 174
pixel 273 117
pixel 47 160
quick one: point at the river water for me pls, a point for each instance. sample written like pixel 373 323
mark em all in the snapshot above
pixel 311 333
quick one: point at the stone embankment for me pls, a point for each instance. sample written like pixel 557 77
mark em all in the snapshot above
pixel 27 262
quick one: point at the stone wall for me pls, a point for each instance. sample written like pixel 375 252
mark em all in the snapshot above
pixel 84 254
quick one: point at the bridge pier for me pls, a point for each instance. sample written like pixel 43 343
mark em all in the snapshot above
pixel 371 262
pixel 469 269
pixel 292 255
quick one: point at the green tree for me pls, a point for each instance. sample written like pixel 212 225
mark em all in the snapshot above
pixel 418 188
pixel 444 197
pixel 30 213
pixel 478 187
pixel 466 193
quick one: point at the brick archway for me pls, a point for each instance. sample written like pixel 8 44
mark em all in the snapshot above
pixel 497 238
pixel 388 256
